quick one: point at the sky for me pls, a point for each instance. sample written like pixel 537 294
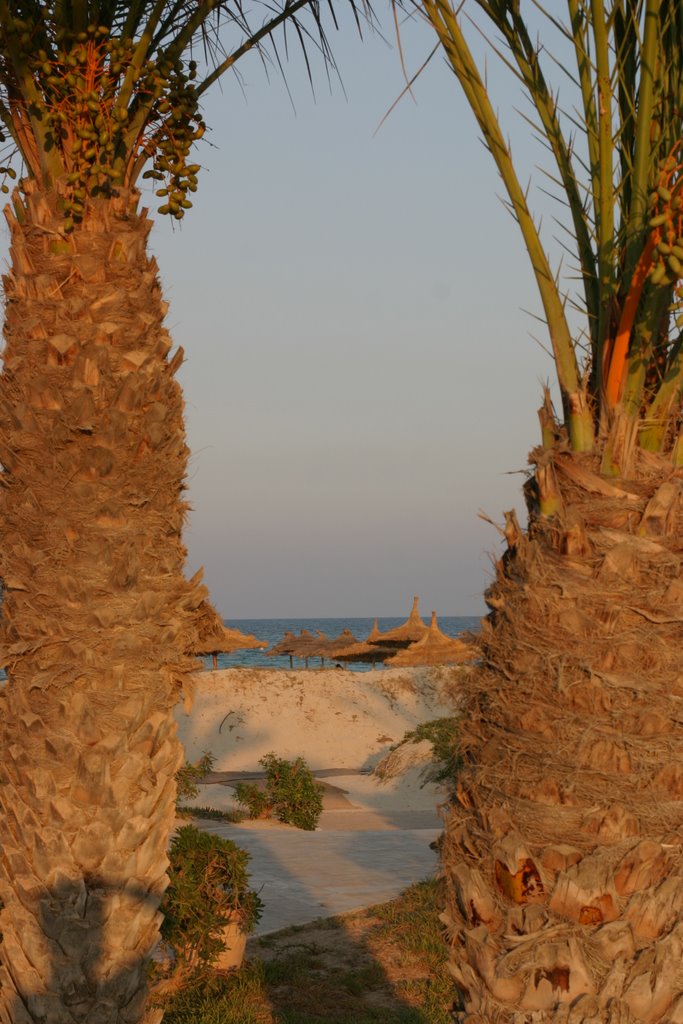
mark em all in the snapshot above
pixel 362 373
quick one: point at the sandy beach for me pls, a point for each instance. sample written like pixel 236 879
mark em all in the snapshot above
pixel 339 721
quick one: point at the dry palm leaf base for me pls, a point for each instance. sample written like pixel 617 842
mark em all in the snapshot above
pixel 563 846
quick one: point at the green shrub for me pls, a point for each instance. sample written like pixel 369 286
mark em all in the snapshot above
pixel 291 793
pixel 188 777
pixel 442 733
pixel 208 889
pixel 255 799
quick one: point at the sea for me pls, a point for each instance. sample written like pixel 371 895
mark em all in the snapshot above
pixel 273 631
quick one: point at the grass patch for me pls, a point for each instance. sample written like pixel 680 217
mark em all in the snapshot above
pixel 236 999
pixel 211 813
pixel 384 965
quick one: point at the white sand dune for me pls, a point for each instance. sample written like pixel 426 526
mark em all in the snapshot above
pixel 334 718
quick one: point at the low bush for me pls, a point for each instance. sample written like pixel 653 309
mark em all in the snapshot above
pixel 255 799
pixel 190 775
pixel 208 890
pixel 291 793
pixel 442 733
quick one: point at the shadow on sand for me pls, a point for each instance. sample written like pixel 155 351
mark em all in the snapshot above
pixel 81 967
pixel 382 966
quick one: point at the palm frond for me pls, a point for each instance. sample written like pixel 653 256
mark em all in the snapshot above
pixel 617 152
pixel 95 94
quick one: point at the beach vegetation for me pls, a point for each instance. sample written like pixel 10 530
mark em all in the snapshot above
pixel 383 965
pixel 560 837
pixel 442 733
pixel 190 775
pixel 254 799
pixel 98 103
pixel 206 813
pixel 208 891
pixel 289 792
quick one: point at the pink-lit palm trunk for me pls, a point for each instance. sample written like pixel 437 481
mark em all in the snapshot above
pixel 97 614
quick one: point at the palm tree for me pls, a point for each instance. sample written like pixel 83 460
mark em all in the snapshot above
pixel 563 845
pixel 97 615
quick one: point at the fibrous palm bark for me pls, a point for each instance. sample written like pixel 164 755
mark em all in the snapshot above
pixel 97 617
pixel 97 614
pixel 563 845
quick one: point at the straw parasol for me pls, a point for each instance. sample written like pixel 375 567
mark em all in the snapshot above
pixel 308 646
pixel 236 640
pixel 345 639
pixel 301 646
pixel 347 648
pixel 286 646
pixel 374 635
pixel 213 637
pixel 363 651
pixel 435 648
pixel 320 646
pixel 412 630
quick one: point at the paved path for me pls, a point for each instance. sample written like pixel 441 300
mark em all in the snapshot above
pixel 318 773
pixel 354 860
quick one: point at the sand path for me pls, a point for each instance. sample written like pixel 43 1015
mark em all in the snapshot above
pixel 374 837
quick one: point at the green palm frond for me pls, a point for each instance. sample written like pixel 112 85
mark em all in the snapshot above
pixel 94 95
pixel 616 143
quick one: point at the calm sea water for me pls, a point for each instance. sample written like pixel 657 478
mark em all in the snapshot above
pixel 273 631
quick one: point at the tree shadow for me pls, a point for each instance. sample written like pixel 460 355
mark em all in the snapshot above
pixel 383 966
pixel 364 968
pixel 361 967
pixel 301 875
pixel 68 954
pixel 323 973
pixel 71 957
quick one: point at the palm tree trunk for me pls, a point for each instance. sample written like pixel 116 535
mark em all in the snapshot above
pixel 563 848
pixel 96 617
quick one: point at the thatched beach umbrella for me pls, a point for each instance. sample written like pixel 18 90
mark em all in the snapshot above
pixel 286 646
pixel 215 638
pixel 374 635
pixel 322 646
pixel 435 648
pixel 363 651
pixel 347 648
pixel 412 630
pixel 236 640
pixel 301 646
pixel 308 646
pixel 345 639
pixel 305 646
pixel 301 643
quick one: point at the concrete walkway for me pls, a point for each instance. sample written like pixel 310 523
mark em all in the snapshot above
pixel 353 860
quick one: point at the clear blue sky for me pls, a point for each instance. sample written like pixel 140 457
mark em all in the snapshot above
pixel 361 377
